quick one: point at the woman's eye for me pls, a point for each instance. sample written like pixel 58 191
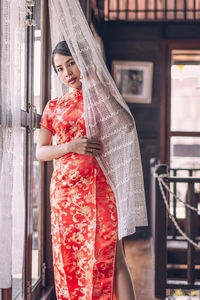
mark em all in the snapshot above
pixel 72 63
pixel 59 69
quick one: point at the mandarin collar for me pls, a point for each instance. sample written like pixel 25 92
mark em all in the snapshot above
pixel 76 91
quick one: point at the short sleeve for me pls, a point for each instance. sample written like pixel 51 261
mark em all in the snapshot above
pixel 47 117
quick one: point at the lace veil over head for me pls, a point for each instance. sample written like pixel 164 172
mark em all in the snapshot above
pixel 107 116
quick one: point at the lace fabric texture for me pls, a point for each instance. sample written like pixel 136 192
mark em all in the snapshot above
pixel 107 116
pixel 11 146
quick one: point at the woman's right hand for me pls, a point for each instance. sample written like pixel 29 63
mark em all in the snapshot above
pixel 46 152
pixel 86 146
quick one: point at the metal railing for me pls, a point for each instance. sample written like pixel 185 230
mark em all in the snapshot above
pixel 176 262
pixel 152 10
pixel 191 172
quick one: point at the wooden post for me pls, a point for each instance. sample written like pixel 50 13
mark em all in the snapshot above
pixel 86 7
pixel 190 232
pixel 160 230
pixel 174 230
pixel 7 294
pixel 153 163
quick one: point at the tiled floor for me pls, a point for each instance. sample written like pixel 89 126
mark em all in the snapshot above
pixel 139 259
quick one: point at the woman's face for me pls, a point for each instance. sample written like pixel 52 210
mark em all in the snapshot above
pixel 67 70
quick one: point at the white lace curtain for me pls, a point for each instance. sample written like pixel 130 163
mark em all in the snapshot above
pixel 11 151
pixel 107 116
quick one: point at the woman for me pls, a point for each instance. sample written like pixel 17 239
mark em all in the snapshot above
pixel 88 258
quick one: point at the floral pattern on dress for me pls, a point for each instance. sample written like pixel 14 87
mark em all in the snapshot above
pixel 83 210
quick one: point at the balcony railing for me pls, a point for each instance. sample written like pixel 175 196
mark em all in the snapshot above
pixel 152 10
pixel 176 261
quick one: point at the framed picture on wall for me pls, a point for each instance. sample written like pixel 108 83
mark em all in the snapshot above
pixel 134 80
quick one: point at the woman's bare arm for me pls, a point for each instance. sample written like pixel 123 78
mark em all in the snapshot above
pixel 46 152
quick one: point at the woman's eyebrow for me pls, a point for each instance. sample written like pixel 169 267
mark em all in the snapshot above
pixel 65 62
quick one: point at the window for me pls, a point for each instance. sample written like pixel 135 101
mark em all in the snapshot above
pixel 184 119
pixel 31 280
pixel 185 123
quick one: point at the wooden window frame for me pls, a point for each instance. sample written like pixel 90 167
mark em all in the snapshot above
pixel 165 112
pixel 39 290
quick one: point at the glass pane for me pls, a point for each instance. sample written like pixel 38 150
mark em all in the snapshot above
pixel 37 59
pixel 36 213
pixel 185 152
pixel 36 200
pixel 18 219
pixel 185 90
pixel 23 77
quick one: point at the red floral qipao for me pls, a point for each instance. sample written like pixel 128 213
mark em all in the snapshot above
pixel 84 214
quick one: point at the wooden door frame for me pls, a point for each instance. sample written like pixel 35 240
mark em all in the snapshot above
pixel 165 108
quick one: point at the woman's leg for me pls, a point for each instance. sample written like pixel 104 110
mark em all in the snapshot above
pixel 124 289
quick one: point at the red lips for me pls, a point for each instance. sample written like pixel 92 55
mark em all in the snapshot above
pixel 71 79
